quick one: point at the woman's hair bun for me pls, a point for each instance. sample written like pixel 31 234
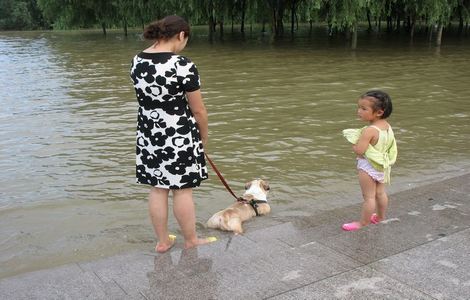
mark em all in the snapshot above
pixel 166 28
pixel 152 31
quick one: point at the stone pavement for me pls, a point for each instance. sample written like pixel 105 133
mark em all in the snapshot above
pixel 420 252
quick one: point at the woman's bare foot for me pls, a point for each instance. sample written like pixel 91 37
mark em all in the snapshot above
pixel 198 242
pixel 164 247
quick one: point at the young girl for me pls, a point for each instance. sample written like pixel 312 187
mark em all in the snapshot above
pixel 376 151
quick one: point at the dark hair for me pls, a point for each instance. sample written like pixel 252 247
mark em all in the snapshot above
pixel 166 28
pixel 381 101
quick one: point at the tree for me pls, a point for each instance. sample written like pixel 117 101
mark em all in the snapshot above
pixel 345 15
pixel 15 15
pixel 293 4
pixel 105 11
pixel 124 10
pixel 341 16
pixel 310 11
pixel 277 8
pixel 64 14
pixel 463 13
pixel 414 9
pixel 439 12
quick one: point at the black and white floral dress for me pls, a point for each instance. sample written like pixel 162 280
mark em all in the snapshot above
pixel 169 151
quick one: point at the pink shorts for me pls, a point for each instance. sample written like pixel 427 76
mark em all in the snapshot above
pixel 364 165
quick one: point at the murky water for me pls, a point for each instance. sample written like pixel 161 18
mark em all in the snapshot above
pixel 67 127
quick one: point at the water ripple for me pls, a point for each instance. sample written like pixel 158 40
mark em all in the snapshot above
pixel 68 114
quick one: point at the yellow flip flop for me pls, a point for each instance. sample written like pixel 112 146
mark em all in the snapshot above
pixel 172 239
pixel 211 239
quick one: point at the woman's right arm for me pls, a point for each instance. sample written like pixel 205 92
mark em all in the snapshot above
pixel 196 104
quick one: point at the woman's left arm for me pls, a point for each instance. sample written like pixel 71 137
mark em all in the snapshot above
pixel 196 104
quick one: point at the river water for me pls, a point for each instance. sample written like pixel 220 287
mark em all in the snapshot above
pixel 276 110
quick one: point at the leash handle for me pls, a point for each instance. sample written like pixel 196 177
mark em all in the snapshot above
pixel 221 177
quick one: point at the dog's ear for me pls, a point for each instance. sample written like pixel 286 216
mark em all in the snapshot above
pixel 247 185
pixel 265 185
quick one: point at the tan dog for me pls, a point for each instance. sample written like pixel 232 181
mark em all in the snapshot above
pixel 255 203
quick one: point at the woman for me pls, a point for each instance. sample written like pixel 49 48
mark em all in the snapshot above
pixel 172 129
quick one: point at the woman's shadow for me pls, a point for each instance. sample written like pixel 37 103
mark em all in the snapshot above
pixel 183 277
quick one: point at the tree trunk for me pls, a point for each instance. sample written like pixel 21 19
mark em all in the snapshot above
pixel 460 21
pixel 411 26
pixel 212 24
pixel 242 28
pixel 273 21
pixel 211 28
pixel 279 27
pixel 330 28
pixel 221 28
pixel 277 14
pixel 292 18
pixel 389 24
pixel 368 21
pixel 232 24
pixel 398 23
pixel 103 27
pixel 296 22
pixel 125 27
pixel 439 35
pixel 354 37
pixel 430 28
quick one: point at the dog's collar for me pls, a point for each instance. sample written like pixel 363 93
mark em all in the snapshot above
pixel 253 203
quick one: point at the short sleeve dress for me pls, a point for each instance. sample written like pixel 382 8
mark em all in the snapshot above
pixel 169 151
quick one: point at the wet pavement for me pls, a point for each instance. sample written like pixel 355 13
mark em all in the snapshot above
pixel 420 252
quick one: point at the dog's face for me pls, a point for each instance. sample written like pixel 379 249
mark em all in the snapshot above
pixel 256 190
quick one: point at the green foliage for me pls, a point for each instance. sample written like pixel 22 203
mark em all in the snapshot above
pixel 342 15
pixel 345 14
pixel 310 10
pixel 439 11
pixel 19 15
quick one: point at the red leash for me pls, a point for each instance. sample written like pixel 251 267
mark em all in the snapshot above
pixel 222 178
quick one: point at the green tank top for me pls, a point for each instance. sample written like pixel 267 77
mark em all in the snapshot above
pixel 383 154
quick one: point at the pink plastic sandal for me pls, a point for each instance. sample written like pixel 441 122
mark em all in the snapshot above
pixel 374 219
pixel 353 226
